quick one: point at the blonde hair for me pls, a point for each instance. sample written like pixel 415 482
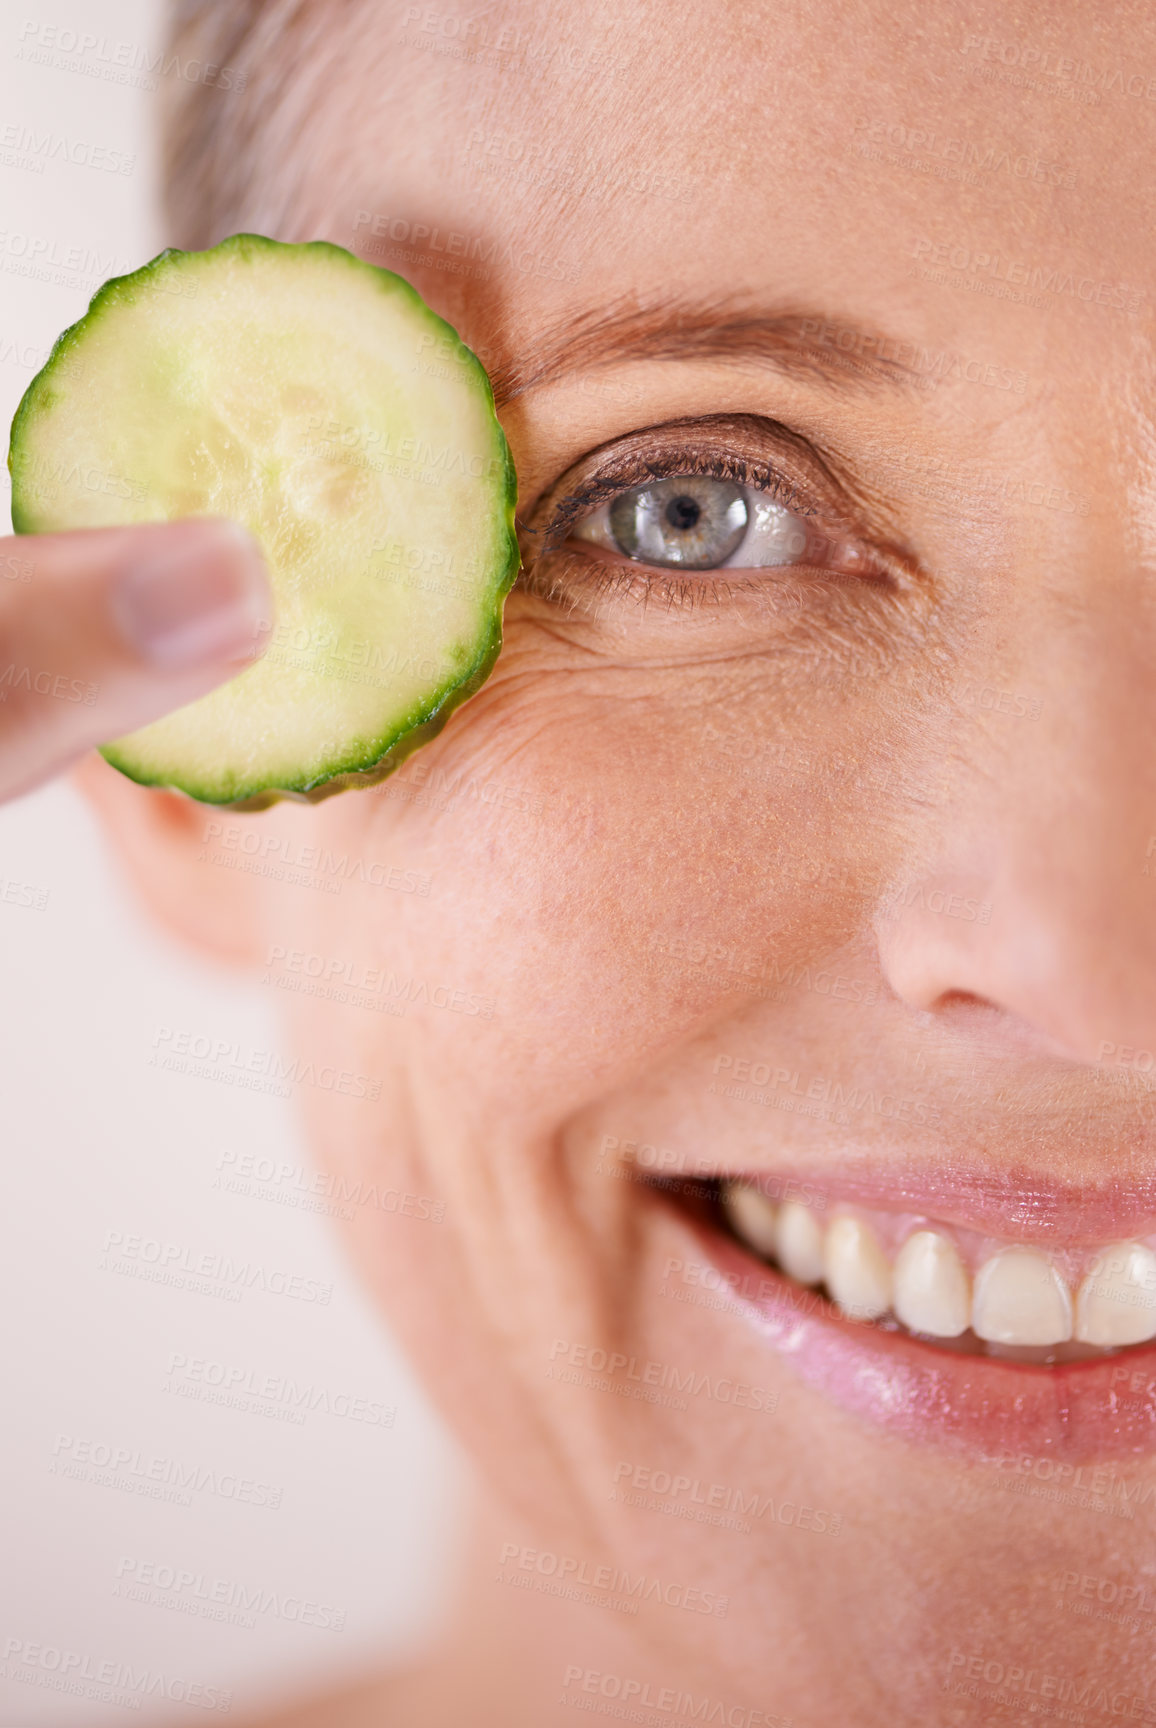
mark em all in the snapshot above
pixel 249 74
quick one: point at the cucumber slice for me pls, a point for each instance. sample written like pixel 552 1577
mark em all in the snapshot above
pixel 317 400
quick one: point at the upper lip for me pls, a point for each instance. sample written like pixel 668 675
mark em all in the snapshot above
pixel 1016 1203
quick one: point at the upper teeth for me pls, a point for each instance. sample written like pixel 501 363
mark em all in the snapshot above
pixel 1020 1298
pixel 858 1275
pixel 1017 1297
pixel 932 1292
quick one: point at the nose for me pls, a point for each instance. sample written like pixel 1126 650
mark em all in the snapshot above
pixel 1035 894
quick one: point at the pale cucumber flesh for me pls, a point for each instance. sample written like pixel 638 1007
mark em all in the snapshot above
pixel 317 400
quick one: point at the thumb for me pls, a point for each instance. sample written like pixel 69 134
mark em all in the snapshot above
pixel 103 630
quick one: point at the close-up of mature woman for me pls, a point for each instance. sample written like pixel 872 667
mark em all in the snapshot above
pixel 777 1053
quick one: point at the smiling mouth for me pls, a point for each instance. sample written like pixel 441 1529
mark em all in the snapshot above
pixel 927 1319
pixel 954 1288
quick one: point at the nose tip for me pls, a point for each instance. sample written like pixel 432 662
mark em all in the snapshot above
pixel 1062 981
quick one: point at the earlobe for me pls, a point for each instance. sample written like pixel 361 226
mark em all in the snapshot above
pixel 162 841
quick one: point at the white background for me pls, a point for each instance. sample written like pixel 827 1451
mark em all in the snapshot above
pixel 97 1141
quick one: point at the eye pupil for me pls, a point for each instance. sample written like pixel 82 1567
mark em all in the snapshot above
pixel 682 512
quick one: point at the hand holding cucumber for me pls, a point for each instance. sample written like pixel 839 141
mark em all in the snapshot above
pixel 318 403
pixel 104 630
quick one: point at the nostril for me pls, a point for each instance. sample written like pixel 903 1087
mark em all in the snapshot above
pixel 996 1033
pixel 1017 990
pixel 957 1003
pixel 961 998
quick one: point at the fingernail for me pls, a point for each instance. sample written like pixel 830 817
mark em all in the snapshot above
pixel 201 599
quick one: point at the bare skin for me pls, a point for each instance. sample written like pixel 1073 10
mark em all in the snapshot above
pixel 103 630
pixel 748 163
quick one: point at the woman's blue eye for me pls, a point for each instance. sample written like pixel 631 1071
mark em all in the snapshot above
pixel 695 522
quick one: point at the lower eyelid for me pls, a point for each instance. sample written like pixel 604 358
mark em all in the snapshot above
pixel 581 584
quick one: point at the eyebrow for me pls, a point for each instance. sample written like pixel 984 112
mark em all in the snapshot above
pixel 817 347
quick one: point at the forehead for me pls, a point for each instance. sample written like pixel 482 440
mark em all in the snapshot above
pixel 979 176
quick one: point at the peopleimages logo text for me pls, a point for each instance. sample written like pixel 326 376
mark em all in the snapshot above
pixel 194 1053
pixel 81 1673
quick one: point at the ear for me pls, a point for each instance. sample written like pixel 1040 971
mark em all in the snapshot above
pixel 167 848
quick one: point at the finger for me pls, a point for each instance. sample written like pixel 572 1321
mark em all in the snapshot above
pixel 103 630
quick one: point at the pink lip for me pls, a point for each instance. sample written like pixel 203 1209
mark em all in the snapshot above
pixel 1071 1414
pixel 1013 1205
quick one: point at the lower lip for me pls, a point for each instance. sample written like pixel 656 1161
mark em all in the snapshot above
pixel 1076 1412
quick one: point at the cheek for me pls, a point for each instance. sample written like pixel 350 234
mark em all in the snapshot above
pixel 601 853
pixel 591 839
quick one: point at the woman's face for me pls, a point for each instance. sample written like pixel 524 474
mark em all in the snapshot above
pixel 830 874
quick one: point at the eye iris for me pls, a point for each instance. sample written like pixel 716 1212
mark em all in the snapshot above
pixel 692 522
